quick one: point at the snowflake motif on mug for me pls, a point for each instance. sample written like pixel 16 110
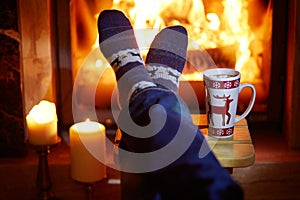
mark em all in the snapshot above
pixel 216 85
pixel 229 131
pixel 219 132
pixel 227 85
pixel 236 83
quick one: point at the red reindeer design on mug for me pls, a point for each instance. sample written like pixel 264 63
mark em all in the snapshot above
pixel 221 110
pixel 222 88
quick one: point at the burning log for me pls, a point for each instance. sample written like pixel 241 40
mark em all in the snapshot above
pixel 224 57
pixel 200 60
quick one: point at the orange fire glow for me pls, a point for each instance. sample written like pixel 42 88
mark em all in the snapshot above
pixel 222 33
pixel 221 26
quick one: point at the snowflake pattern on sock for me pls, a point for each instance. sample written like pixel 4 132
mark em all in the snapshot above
pixel 166 73
pixel 124 57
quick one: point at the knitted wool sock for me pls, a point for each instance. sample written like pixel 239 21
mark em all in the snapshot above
pixel 166 57
pixel 118 45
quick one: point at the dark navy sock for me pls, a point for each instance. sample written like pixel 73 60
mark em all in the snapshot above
pixel 166 57
pixel 118 44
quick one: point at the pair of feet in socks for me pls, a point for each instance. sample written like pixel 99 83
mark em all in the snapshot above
pixel 164 62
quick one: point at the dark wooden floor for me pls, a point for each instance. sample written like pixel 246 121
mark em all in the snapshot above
pixel 275 174
pixel 270 180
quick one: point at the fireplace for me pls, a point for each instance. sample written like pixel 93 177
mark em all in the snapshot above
pixel 269 20
pixel 235 34
pixel 56 40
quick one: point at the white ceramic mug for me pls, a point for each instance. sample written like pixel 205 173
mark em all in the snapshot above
pixel 222 88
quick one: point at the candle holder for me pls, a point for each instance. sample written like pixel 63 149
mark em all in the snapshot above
pixel 89 190
pixel 43 178
pixel 89 187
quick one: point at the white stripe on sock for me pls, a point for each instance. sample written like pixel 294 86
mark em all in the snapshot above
pixel 124 57
pixel 166 73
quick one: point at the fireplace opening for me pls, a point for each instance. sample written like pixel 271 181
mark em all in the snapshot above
pixel 58 41
pixel 235 34
pixel 57 38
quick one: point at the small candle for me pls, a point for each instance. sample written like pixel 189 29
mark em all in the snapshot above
pixel 87 141
pixel 42 124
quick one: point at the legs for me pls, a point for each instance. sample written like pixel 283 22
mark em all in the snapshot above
pixel 164 62
pixel 190 175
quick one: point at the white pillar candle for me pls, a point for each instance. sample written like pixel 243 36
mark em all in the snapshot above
pixel 42 124
pixel 87 146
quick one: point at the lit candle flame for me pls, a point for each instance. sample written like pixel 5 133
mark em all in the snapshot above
pixel 42 124
pixel 42 113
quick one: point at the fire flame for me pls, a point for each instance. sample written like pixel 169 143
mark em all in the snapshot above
pixel 220 26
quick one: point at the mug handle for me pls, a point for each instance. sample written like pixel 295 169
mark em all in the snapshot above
pixel 247 111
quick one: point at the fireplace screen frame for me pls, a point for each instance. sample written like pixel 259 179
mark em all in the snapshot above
pixel 62 58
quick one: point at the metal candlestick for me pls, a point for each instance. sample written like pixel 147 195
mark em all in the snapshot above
pixel 43 179
pixel 89 189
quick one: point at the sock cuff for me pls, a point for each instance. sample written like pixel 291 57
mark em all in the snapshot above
pixel 132 81
pixel 136 88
